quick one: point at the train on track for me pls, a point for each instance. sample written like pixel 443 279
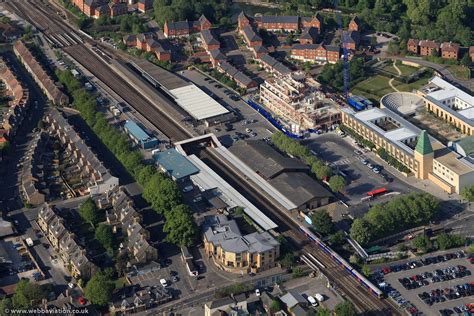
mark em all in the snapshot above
pixel 359 277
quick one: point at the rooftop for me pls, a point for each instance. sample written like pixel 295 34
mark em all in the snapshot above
pixel 197 103
pixel 221 231
pixel 264 159
pixel 175 164
pixel 136 131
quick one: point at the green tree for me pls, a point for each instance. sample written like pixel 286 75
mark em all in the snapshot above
pixel 373 41
pixel 89 212
pixel 99 289
pixel 27 294
pixel 338 238
pixel 466 60
pixel 322 222
pixel 180 226
pixel 366 270
pixel 162 193
pixel 421 242
pixel 323 311
pixel 5 305
pixel 288 260
pixel 468 193
pixel 276 305
pixel 104 236
pixel 470 249
pixel 337 183
pixel 361 231
pixel 345 309
pixel 446 241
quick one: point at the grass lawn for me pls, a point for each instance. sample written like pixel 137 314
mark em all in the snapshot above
pixel 405 70
pixel 377 86
pixel 459 72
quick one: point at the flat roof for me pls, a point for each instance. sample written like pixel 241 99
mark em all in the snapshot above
pixel 197 103
pixel 136 131
pixel 452 161
pixel 163 77
pixel 175 164
pixel 208 179
pixel 447 90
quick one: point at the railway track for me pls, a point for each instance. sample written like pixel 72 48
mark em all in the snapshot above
pixel 50 23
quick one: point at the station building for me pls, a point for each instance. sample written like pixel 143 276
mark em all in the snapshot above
pixel 426 157
pixel 139 136
pixel 449 103
pixel 177 166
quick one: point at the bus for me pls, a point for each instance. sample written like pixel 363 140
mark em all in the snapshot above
pixel 377 192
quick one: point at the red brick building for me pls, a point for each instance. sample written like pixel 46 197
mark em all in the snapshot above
pixel 304 52
pixel 216 57
pixel 243 20
pixel 185 28
pixel 450 50
pixel 413 46
pixel 259 51
pixel 333 54
pixel 145 5
pixel 146 42
pixel 351 40
pixel 278 23
pixel 309 35
pixel 209 41
pixel 251 37
pixel 428 48
pixel 315 21
pixel 354 24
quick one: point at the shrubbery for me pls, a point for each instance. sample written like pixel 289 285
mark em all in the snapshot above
pixel 399 214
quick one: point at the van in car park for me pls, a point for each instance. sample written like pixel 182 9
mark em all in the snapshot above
pixel 319 297
pixel 312 301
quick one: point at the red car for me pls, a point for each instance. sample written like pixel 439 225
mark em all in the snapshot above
pixel 386 270
pixel 82 300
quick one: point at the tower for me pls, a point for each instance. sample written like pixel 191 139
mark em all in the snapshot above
pixel 424 155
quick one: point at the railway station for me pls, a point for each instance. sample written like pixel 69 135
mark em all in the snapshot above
pixel 193 100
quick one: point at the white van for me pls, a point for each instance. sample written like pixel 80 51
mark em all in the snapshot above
pixel 319 297
pixel 312 301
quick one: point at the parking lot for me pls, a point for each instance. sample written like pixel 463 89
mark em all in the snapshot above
pixel 440 284
pixel 252 124
pixel 340 154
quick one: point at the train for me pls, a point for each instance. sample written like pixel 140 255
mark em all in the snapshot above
pixel 341 261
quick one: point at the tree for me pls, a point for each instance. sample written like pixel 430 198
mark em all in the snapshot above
pixel 393 48
pixel 322 222
pixel 276 305
pixel 89 212
pixel 27 294
pixel 345 309
pixel 99 289
pixel 162 193
pixel 446 241
pixel 338 238
pixel 337 183
pixel 104 236
pixel 361 231
pixel 323 311
pixel 421 242
pixel 288 260
pixel 468 193
pixel 373 41
pixel 466 60
pixel 180 226
pixel 470 249
pixel 5 305
pixel 366 270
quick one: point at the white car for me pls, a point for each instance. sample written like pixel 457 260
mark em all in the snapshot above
pixel 312 301
pixel 319 297
pixel 187 189
pixel 163 283
pixel 71 285
pixel 257 292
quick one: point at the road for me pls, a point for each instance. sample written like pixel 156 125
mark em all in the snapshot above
pixel 467 84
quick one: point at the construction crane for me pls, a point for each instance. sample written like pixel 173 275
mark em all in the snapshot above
pixel 345 51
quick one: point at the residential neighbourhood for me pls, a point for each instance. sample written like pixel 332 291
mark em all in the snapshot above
pixel 229 158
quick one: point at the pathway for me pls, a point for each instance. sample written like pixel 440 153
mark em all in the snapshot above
pixel 390 82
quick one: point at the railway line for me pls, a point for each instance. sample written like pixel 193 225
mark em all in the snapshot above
pixel 51 24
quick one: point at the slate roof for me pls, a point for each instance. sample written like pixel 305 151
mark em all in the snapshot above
pixel 209 37
pixel 250 34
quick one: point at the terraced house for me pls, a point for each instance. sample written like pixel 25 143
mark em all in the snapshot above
pixel 11 116
pixel 279 22
pixel 65 243
pixel 147 42
pixel 185 28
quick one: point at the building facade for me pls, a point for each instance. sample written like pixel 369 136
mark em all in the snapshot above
pixel 237 253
